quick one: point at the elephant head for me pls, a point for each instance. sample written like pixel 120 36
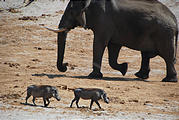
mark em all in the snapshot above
pixel 73 16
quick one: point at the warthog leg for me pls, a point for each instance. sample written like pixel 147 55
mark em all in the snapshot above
pixel 33 100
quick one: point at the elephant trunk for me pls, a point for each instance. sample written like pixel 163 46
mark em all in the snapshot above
pixel 61 41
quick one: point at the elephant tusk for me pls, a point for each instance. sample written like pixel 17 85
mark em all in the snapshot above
pixel 56 30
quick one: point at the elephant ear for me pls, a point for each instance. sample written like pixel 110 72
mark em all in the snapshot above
pixel 84 4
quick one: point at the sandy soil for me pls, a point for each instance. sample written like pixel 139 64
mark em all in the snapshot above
pixel 28 56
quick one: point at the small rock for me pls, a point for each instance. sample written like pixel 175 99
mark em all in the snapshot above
pixel 17 74
pixel 147 101
pixel 38 48
pixel 71 89
pixel 60 12
pixel 122 102
pixel 64 87
pixel 12 10
pixel 134 100
pixel 148 104
pixel 165 100
pixel 16 86
pixel 33 18
pixel 12 64
pixel 108 86
pixel 46 15
pixel 42 24
pixel 36 60
pixel 72 68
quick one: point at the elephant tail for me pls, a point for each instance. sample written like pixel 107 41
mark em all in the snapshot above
pixel 176 43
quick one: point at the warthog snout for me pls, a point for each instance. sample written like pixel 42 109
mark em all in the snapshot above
pixel 94 94
pixel 105 98
pixel 58 98
pixel 44 91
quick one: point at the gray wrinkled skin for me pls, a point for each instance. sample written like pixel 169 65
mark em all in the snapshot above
pixel 94 94
pixel 44 91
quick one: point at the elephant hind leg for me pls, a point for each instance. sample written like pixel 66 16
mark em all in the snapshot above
pixel 113 52
pixel 145 68
pixel 171 74
pixel 168 52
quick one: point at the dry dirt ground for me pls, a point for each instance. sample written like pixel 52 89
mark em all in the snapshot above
pixel 28 55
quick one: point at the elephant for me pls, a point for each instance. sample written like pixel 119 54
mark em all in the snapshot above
pixel 144 25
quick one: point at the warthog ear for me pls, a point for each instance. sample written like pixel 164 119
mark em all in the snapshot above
pixel 53 92
pixel 102 96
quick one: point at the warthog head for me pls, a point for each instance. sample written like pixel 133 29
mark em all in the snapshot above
pixel 105 98
pixel 55 93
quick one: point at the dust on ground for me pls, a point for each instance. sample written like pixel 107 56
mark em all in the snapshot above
pixel 28 55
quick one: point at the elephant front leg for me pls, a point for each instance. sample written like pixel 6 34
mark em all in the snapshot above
pixel 98 50
pixel 113 52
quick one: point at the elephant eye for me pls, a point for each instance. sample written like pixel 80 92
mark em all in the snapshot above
pixel 71 5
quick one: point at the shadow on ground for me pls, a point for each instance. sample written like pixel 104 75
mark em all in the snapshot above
pixel 35 105
pixel 52 76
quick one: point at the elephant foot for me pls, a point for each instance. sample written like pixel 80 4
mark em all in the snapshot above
pixel 142 74
pixel 124 67
pixel 170 79
pixel 95 75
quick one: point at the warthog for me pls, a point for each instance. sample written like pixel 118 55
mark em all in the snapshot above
pixel 94 94
pixel 44 91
